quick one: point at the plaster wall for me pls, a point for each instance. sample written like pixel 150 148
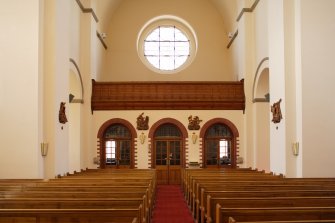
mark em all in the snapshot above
pixel 19 89
pixel 212 62
pixel 317 37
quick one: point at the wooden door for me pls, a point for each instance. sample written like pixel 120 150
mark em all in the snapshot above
pixel 168 161
pixel 117 153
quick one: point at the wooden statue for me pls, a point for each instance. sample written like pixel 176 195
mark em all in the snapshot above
pixel 276 112
pixel 142 123
pixel 194 123
pixel 62 116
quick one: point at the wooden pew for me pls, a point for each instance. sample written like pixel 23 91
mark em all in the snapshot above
pixel 119 190
pixel 274 214
pixel 232 220
pixel 263 202
pixel 221 181
pixel 110 215
pixel 206 205
pixel 199 199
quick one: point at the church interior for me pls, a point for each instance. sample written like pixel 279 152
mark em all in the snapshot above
pixel 64 51
pixel 110 98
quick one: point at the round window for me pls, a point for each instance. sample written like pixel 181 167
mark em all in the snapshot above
pixel 167 44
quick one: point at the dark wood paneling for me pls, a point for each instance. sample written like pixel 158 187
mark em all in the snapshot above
pixel 168 95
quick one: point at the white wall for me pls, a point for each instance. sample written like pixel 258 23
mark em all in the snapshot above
pixel 277 84
pixel 318 108
pixel 290 33
pixel 19 89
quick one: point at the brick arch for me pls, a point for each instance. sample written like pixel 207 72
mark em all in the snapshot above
pixel 100 136
pixel 180 125
pixel 232 128
pixel 183 131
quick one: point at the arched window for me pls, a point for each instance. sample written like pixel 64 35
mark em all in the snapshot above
pixel 117 147
pixel 218 146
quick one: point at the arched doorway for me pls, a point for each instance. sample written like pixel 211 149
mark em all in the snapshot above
pixel 168 150
pixel 219 144
pixel 116 149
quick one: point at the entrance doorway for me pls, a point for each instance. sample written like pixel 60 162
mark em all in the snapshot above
pixel 168 154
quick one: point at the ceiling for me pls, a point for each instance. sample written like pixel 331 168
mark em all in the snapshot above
pixel 227 8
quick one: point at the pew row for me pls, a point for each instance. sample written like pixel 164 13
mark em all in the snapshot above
pixel 274 214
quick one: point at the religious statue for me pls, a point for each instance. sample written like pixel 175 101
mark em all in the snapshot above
pixel 276 112
pixel 62 116
pixel 194 123
pixel 142 123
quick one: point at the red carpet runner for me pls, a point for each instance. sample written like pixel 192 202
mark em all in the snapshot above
pixel 170 206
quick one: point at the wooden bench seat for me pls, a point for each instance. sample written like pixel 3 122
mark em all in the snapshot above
pixel 73 194
pixel 83 188
pixel 109 215
pixel 85 197
pixel 268 180
pixel 263 202
pixel 205 201
pixel 274 214
pixel 232 220
pixel 66 203
pixel 196 197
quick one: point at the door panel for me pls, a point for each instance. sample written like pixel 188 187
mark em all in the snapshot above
pixel 168 161
pixel 118 153
pixel 211 153
pixel 161 162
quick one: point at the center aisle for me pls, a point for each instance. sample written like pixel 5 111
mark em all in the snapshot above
pixel 170 206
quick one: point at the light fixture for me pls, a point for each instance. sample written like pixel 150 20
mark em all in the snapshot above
pixel 295 148
pixel 44 149
pixel 71 96
pixel 194 138
pixel 103 35
pixel 142 138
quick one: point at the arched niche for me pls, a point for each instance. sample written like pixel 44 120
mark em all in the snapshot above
pixel 261 82
pixel 76 91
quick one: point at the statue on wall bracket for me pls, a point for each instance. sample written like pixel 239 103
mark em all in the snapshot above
pixel 142 122
pixel 62 115
pixel 194 122
pixel 276 112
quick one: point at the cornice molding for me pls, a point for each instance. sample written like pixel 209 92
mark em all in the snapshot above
pixel 87 10
pixel 251 9
pixel 102 40
pixel 232 39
